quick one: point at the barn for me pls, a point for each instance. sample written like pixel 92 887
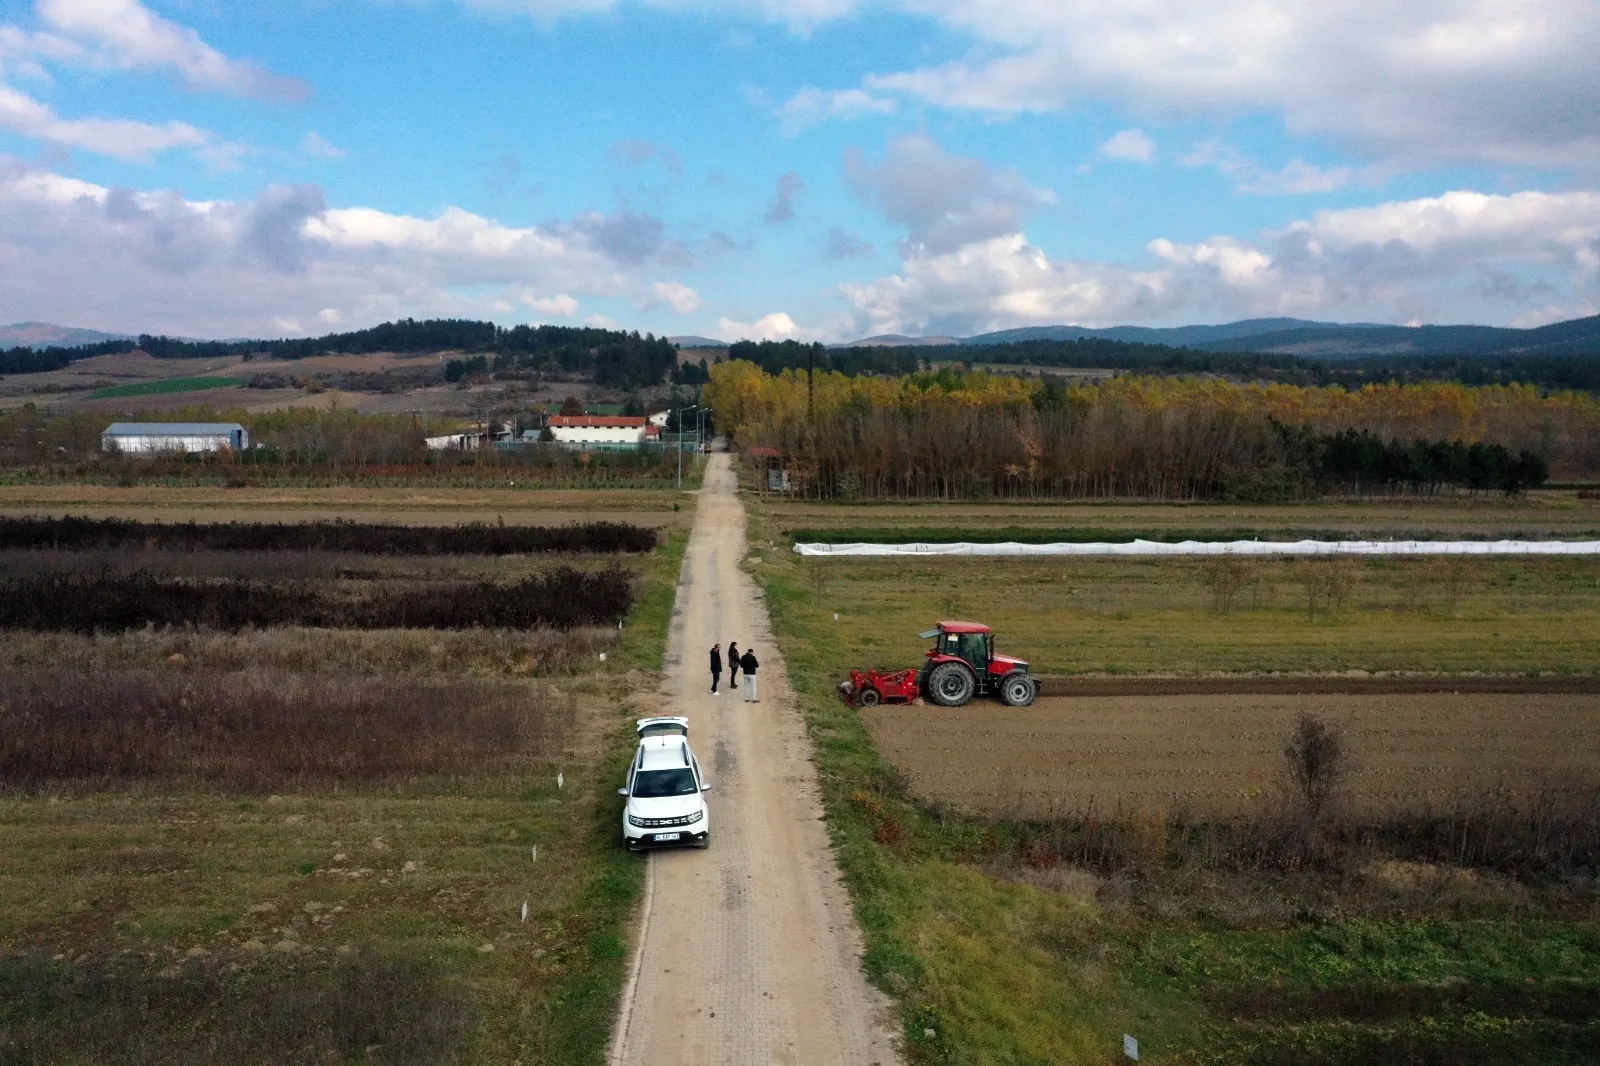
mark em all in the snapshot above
pixel 146 438
pixel 616 431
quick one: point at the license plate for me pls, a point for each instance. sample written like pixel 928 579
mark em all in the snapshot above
pixel 668 836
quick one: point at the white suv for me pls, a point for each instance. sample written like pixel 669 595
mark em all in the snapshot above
pixel 666 791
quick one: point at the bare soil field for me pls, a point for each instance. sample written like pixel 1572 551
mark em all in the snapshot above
pixel 1218 756
pixel 406 506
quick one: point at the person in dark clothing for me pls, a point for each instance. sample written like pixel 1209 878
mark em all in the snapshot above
pixel 733 664
pixel 716 666
pixel 747 663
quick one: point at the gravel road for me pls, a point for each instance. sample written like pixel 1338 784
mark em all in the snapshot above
pixel 748 952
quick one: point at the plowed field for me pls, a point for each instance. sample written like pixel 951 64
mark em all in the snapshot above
pixel 1220 755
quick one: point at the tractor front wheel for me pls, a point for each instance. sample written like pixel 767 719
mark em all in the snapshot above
pixel 1017 689
pixel 951 684
pixel 868 696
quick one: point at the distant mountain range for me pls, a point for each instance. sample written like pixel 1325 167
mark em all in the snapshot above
pixel 1277 336
pixel 1329 340
pixel 45 335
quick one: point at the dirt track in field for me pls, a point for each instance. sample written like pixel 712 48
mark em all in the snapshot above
pixel 1220 755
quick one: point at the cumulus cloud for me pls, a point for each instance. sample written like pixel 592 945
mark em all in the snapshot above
pixel 777 326
pixel 812 107
pixel 317 146
pixel 942 199
pixel 1438 81
pixel 781 209
pixel 1295 178
pixel 1415 258
pixel 1133 146
pixel 678 296
pixel 842 244
pixel 73 250
pixel 126 35
pixel 122 138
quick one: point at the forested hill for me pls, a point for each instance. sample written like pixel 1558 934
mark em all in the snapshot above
pixel 617 358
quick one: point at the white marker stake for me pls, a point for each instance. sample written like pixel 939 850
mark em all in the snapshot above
pixel 561 782
pixel 835 616
pixel 524 910
pixel 1130 1047
pixel 535 850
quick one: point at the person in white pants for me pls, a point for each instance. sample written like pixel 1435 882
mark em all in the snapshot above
pixel 747 663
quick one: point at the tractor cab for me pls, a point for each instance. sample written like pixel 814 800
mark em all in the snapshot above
pixel 968 641
pixel 962 663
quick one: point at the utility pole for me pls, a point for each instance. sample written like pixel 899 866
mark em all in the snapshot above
pixel 678 421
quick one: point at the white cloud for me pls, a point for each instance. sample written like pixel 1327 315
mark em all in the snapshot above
pixel 1503 81
pixel 678 296
pixel 777 326
pixel 1295 178
pixel 126 35
pixel 122 138
pixel 317 146
pixel 944 200
pixel 561 305
pixel 812 107
pixel 781 209
pixel 599 321
pixel 153 260
pixel 1133 146
pixel 1534 255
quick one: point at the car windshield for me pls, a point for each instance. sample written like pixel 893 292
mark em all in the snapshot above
pixel 648 784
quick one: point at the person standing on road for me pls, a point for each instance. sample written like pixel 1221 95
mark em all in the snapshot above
pixel 716 666
pixel 748 664
pixel 733 664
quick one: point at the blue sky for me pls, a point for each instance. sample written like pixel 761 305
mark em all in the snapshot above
pixel 817 169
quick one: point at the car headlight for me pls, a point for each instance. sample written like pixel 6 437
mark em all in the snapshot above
pixel 635 820
pixel 695 817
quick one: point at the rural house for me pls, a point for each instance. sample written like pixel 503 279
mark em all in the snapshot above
pixel 616 431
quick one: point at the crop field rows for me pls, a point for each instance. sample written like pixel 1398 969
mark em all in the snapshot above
pixel 264 805
pixel 1164 852
pixel 1216 756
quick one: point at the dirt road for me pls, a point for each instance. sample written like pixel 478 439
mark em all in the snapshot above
pixel 749 953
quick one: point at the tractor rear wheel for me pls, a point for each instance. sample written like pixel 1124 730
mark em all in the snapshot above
pixel 1017 689
pixel 951 684
pixel 868 696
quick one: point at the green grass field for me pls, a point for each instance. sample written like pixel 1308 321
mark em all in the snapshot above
pixel 342 920
pixel 1033 943
pixel 167 386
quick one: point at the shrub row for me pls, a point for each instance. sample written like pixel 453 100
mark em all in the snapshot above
pixel 80 534
pixel 261 728
pixel 561 598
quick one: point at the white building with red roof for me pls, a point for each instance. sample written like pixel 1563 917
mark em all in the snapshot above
pixel 613 430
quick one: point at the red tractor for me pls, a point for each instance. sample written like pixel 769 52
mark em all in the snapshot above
pixel 962 663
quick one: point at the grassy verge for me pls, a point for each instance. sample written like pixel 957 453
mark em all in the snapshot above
pixel 1001 949
pixel 186 914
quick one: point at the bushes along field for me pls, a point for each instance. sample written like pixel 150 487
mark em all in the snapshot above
pixel 561 598
pixel 79 534
pixel 256 730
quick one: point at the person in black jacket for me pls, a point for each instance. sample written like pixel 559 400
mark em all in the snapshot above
pixel 716 666
pixel 733 664
pixel 747 663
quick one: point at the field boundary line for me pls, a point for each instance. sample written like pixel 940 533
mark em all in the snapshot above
pixel 1313 684
pixel 619 1035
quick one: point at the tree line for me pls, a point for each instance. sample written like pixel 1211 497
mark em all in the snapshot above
pixel 1099 353
pixel 777 356
pixel 955 434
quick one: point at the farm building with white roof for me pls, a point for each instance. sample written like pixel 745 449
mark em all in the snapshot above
pixel 145 438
